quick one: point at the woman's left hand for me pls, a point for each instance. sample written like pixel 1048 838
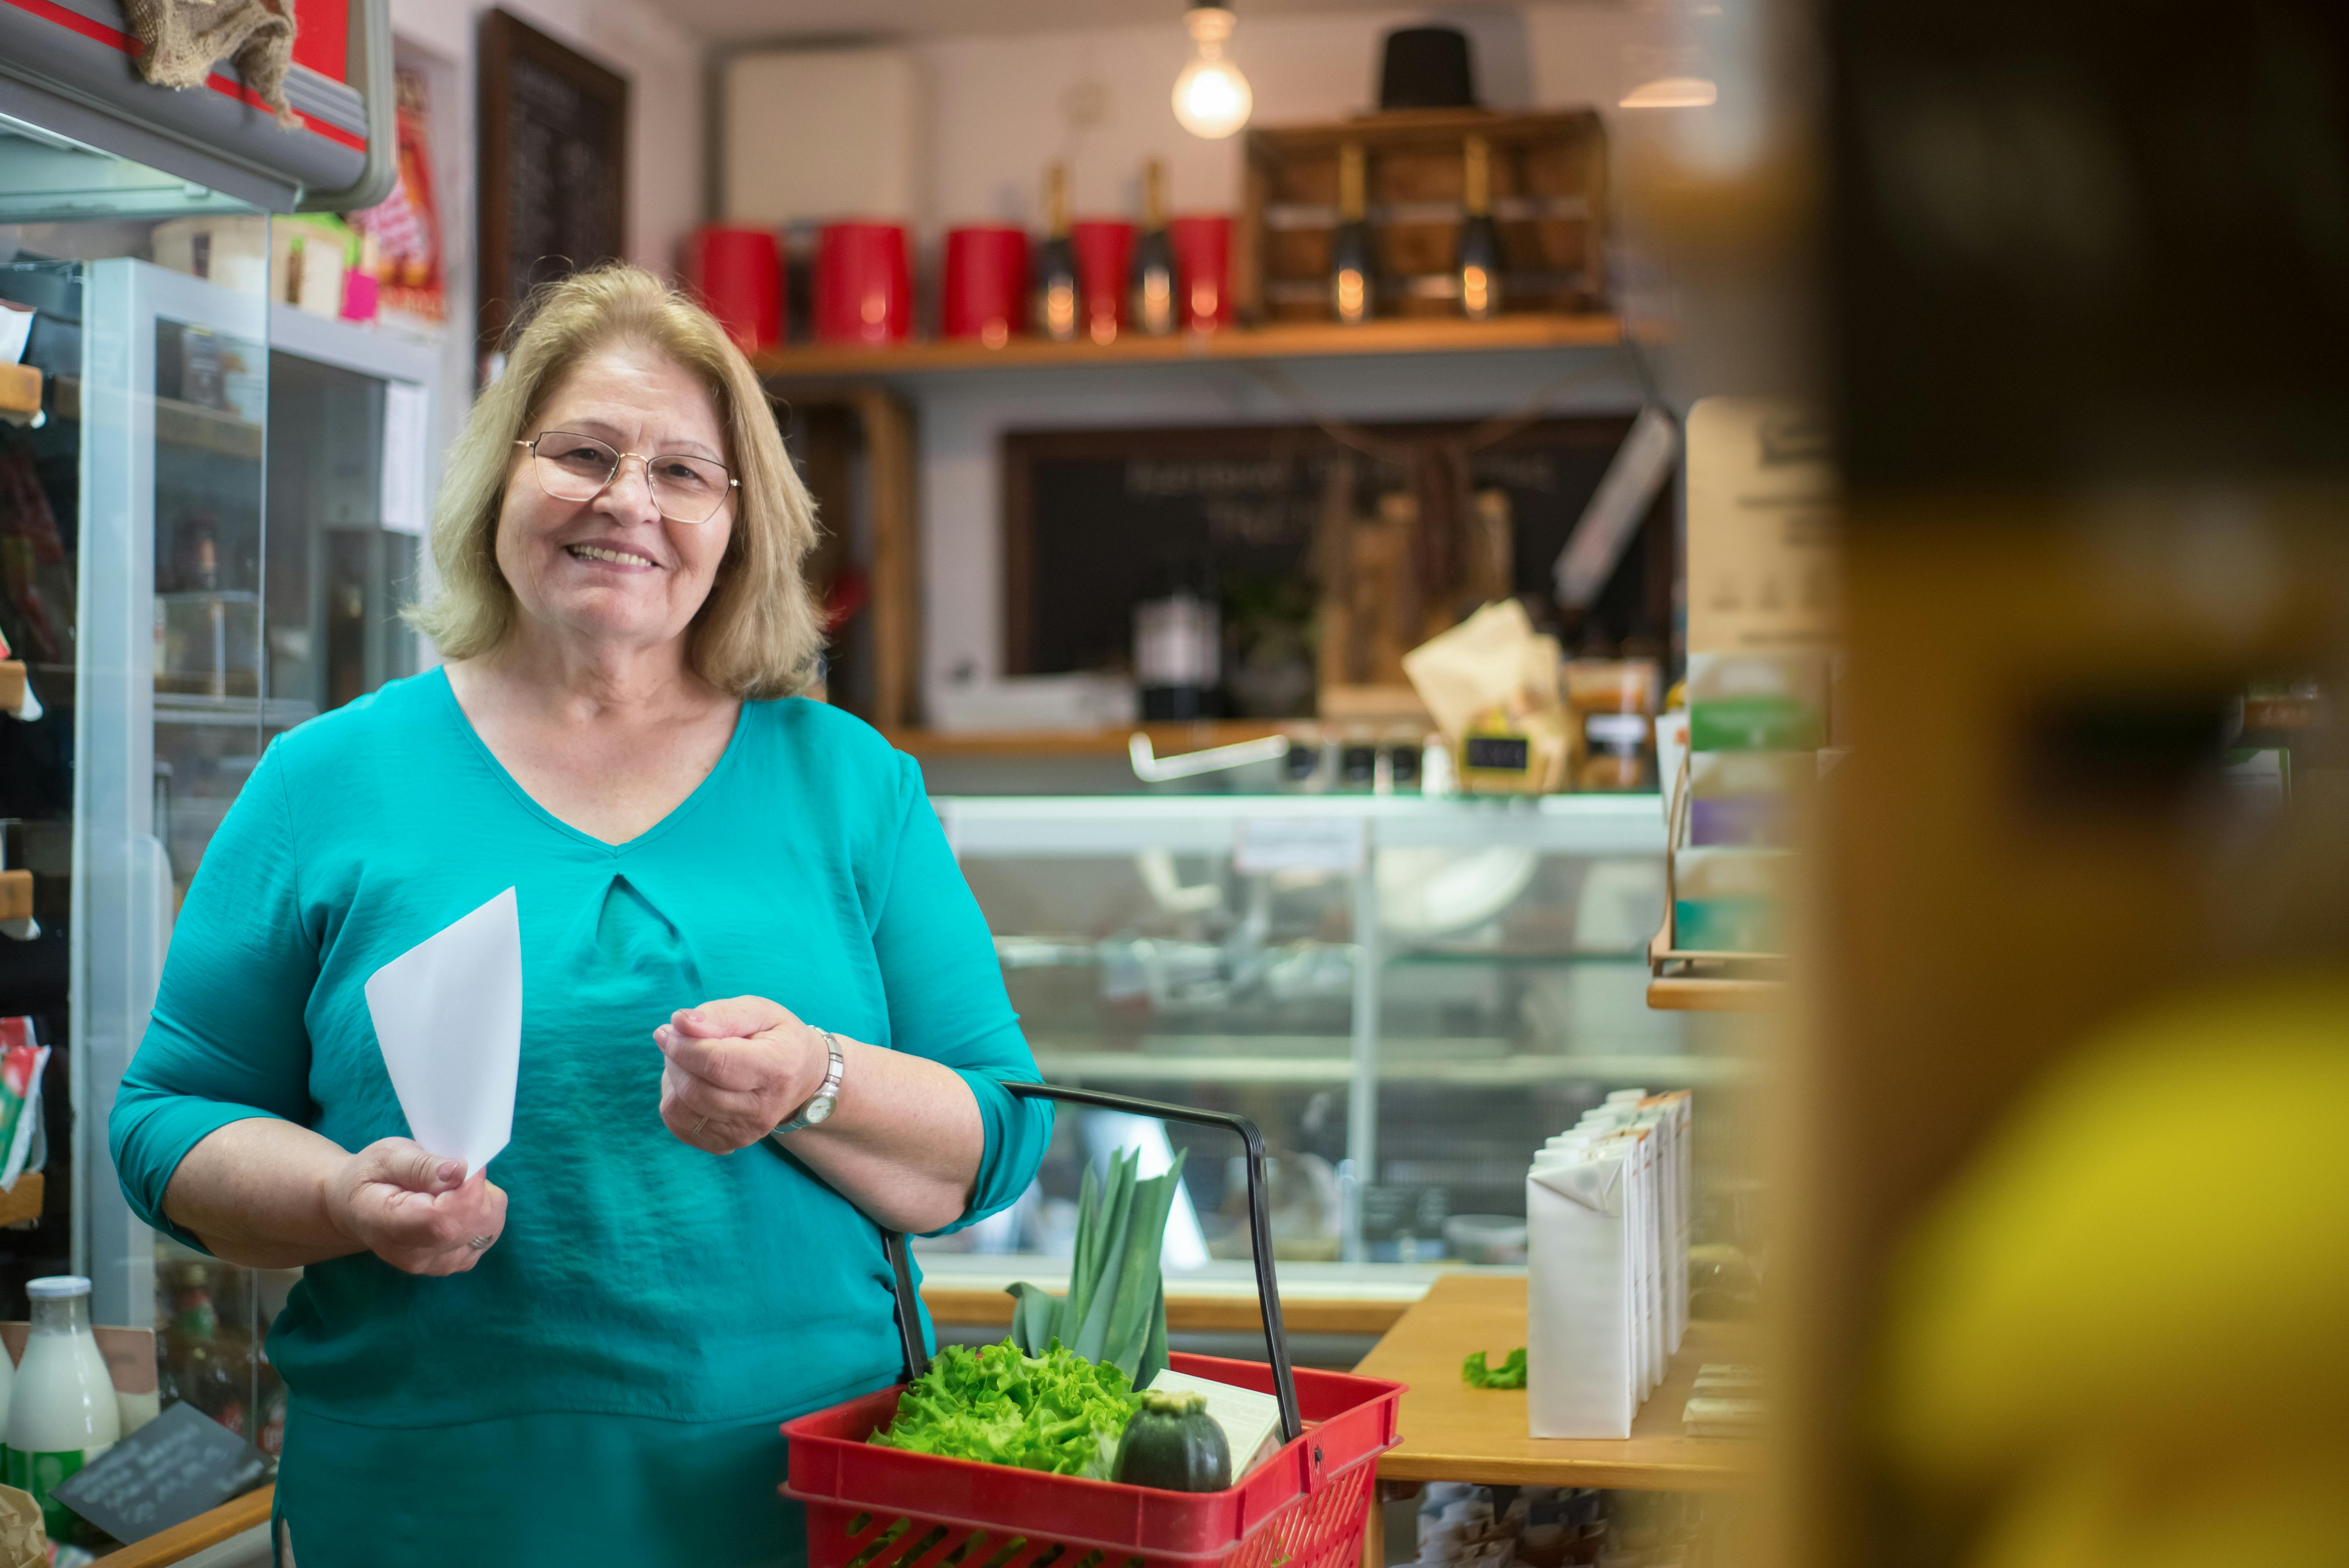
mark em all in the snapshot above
pixel 737 1070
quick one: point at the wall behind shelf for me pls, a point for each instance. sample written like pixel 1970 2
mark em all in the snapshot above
pixel 962 420
pixel 998 113
pixel 999 103
pixel 663 62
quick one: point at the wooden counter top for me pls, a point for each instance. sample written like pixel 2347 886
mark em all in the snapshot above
pixel 1453 1432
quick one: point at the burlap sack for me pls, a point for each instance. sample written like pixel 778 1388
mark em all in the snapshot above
pixel 181 41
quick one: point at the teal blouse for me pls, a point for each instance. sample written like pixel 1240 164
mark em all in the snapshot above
pixel 637 1279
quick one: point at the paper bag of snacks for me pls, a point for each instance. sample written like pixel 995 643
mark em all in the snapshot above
pixel 1490 684
pixel 24 1543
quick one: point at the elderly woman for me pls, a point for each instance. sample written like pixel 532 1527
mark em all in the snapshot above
pixel 762 1015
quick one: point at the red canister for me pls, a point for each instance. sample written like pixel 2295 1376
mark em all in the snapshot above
pixel 863 283
pixel 984 293
pixel 1104 249
pixel 738 275
pixel 1202 243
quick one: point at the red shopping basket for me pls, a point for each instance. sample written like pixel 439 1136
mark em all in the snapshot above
pixel 1306 1507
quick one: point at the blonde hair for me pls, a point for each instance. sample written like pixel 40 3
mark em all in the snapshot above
pixel 757 635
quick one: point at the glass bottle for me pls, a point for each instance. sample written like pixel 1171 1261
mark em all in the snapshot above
pixel 210 1368
pixel 61 1410
pixel 1480 243
pixel 1056 263
pixel 1350 253
pixel 1151 305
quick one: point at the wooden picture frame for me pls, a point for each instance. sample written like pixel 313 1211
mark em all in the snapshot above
pixel 553 193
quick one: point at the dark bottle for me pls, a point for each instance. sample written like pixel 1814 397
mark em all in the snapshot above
pixel 1480 243
pixel 1350 251
pixel 1178 646
pixel 1055 310
pixel 1151 288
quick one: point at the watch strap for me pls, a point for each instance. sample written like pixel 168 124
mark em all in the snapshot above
pixel 827 1094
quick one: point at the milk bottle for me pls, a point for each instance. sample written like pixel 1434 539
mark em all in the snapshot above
pixel 61 1412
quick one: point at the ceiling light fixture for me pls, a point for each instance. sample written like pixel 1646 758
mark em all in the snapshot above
pixel 1211 96
pixel 1672 92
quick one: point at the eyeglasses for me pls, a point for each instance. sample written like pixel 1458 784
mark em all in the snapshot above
pixel 572 467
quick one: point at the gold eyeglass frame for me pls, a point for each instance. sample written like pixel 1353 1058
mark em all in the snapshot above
pixel 611 478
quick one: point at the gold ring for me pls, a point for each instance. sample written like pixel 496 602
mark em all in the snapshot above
pixel 700 1125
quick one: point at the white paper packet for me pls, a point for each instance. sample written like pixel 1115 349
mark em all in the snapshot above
pixel 1580 1378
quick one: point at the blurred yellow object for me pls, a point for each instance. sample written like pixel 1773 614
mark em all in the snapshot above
pixel 2274 1508
pixel 2127 1328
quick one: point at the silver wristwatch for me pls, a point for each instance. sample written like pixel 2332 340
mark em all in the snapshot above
pixel 826 1098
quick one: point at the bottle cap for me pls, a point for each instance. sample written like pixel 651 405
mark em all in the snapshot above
pixel 54 1287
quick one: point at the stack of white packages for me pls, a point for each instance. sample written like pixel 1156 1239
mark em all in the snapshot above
pixel 1606 1229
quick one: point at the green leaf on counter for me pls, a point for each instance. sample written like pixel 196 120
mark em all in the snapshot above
pixel 1509 1374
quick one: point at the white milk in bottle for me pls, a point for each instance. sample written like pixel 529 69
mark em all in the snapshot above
pixel 61 1412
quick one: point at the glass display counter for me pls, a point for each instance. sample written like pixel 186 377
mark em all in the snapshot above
pixel 1407 995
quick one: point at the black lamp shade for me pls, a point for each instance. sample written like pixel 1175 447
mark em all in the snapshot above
pixel 1426 68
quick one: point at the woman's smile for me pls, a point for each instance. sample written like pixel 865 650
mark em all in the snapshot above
pixel 611 558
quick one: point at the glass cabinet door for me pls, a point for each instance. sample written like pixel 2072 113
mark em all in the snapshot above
pixel 338 574
pixel 1407 995
pixel 175 400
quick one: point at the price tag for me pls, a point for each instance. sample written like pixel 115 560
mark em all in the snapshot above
pixel 1300 844
pixel 165 1474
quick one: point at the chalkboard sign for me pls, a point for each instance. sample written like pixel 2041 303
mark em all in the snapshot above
pixel 165 1474
pixel 553 170
pixel 1098 520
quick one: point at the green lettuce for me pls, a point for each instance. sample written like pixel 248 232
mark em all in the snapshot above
pixel 1056 1412
pixel 1509 1374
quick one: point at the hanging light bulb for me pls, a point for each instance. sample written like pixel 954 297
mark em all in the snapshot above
pixel 1211 97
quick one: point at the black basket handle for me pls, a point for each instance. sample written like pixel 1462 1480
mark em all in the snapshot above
pixel 1267 1285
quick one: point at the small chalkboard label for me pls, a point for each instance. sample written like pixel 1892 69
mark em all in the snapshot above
pixel 165 1474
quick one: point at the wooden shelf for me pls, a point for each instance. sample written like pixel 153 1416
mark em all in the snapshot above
pixel 1281 340
pixel 182 1541
pixel 1708 994
pixel 200 429
pixel 1712 982
pixel 1453 1432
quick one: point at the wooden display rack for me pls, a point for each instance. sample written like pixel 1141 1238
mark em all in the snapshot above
pixel 1548 204
pixel 1693 980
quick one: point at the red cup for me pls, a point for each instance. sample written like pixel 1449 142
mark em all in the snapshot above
pixel 863 283
pixel 984 292
pixel 738 275
pixel 1202 244
pixel 1104 249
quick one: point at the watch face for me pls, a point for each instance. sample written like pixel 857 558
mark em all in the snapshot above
pixel 820 1108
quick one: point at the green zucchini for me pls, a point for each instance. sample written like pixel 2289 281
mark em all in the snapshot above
pixel 1173 1444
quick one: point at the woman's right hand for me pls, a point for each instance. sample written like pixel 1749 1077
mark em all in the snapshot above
pixel 417 1212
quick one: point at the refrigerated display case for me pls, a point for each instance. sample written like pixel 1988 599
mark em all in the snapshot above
pixel 1408 994
pixel 194 556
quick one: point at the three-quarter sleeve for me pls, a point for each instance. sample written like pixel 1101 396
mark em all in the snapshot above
pixel 226 1041
pixel 947 1000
